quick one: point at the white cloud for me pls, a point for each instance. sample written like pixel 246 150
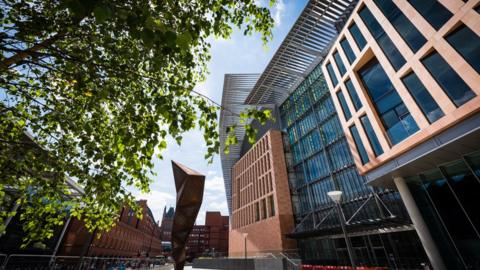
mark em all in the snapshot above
pixel 156 201
pixel 279 12
pixel 215 184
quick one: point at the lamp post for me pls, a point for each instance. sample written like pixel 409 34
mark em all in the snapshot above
pixel 245 243
pixel 336 197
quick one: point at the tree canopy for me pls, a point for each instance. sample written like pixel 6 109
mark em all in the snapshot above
pixel 100 85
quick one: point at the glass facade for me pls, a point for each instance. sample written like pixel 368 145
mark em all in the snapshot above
pixel 385 43
pixel 422 97
pixel 396 119
pixel 347 49
pixel 402 24
pixel 339 62
pixel 359 144
pixel 458 91
pixel 331 74
pixel 447 197
pixel 357 36
pixel 466 43
pixel 353 94
pixel 372 137
pixel 322 162
pixel 343 103
pixel 432 11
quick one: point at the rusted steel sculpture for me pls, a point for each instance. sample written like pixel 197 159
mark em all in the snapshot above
pixel 189 185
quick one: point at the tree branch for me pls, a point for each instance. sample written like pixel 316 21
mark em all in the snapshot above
pixel 5 64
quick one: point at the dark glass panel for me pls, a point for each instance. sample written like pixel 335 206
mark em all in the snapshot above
pixel 343 103
pixel 467 43
pixel 353 94
pixel 435 224
pixel 332 75
pixel 359 144
pixel 448 79
pixel 347 50
pixel 466 187
pixel 454 218
pixel 385 43
pixel 432 11
pixel 357 36
pixel 423 98
pixel 402 24
pixel 339 62
pixel 474 161
pixel 396 119
pixel 372 137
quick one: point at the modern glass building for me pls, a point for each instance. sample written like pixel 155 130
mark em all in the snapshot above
pixel 415 67
pixel 382 234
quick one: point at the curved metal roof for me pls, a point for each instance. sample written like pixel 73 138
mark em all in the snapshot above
pixel 236 88
pixel 303 48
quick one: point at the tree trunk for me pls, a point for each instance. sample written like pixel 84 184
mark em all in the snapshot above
pixel 5 64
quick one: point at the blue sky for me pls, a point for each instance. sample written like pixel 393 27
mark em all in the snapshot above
pixel 239 54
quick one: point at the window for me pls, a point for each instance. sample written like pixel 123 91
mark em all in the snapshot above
pixel 432 11
pixel 264 209
pixel 402 24
pixel 347 50
pixel 332 75
pixel 466 43
pixel 343 103
pixel 385 43
pixel 257 211
pixel 271 203
pixel 372 137
pixel 353 95
pixel 395 117
pixel 423 98
pixel 339 62
pixel 448 79
pixel 357 36
pixel 359 144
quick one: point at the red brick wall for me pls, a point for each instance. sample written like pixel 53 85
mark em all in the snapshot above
pixel 259 179
pixel 129 238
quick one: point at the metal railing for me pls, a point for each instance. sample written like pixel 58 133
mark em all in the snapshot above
pixel 44 262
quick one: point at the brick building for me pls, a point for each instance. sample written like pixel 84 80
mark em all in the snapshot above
pixel 261 203
pixel 131 237
pixel 209 239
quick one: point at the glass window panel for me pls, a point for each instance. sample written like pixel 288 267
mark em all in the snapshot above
pixel 432 11
pixel 385 43
pixel 372 137
pixel 466 187
pixel 454 218
pixel 343 103
pixel 448 79
pixel 347 49
pixel 467 43
pixel 339 62
pixel 352 92
pixel 359 144
pixel 474 161
pixel 422 97
pixel 357 36
pixel 396 119
pixel 434 223
pixel 402 24
pixel 332 75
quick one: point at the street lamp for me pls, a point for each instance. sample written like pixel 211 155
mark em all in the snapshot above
pixel 245 243
pixel 336 197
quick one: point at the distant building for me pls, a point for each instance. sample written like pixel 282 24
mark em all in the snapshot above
pixel 261 205
pixel 166 225
pixel 131 237
pixel 210 239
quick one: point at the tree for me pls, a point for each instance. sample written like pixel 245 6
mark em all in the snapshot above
pixel 100 85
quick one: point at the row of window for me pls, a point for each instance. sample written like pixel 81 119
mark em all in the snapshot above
pixel 395 117
pixel 263 209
